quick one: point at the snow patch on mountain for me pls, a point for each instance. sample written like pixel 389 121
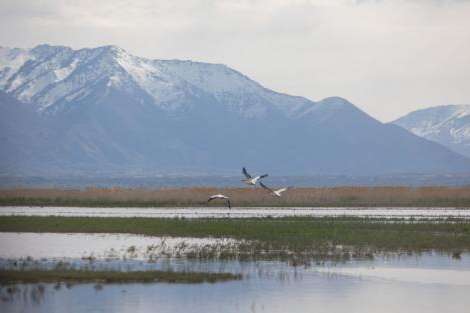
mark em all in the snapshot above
pixel 13 58
pixel 49 75
pixel 149 76
pixel 64 72
pixel 10 61
pixel 448 125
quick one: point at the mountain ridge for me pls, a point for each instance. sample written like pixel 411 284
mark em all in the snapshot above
pixel 448 125
pixel 105 110
pixel 129 68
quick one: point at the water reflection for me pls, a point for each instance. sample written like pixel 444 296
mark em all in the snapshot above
pixel 266 287
pixel 33 294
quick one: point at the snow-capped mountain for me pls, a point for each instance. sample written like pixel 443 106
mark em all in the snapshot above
pixel 448 125
pixel 105 110
pixel 52 76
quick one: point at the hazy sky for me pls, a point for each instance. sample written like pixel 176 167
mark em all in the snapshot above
pixel 386 56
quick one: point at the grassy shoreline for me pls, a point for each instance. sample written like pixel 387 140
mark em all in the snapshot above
pixel 107 277
pixel 284 234
pixel 241 197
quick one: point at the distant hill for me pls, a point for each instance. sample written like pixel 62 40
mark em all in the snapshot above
pixel 448 125
pixel 106 112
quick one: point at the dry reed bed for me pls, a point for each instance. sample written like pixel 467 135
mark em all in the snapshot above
pixel 337 196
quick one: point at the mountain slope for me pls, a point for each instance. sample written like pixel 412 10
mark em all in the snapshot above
pixel 448 125
pixel 52 76
pixel 105 111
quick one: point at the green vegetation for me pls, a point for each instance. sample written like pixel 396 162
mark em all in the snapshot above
pixel 298 234
pixel 83 276
pixel 241 197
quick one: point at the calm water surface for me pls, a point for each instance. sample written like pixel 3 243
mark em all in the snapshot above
pixel 430 282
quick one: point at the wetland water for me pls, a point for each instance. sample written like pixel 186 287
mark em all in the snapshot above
pixel 417 213
pixel 430 282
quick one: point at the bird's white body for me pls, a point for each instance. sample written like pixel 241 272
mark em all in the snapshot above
pixel 252 180
pixel 276 193
pixel 221 196
pixel 218 196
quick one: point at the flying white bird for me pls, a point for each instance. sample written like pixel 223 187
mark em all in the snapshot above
pixel 220 196
pixel 276 193
pixel 251 180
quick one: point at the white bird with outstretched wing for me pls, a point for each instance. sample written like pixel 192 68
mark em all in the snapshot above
pixel 220 196
pixel 277 192
pixel 250 180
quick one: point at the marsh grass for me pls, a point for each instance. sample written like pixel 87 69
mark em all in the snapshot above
pixel 347 236
pixel 241 197
pixel 84 276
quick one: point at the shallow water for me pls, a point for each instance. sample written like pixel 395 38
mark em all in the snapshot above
pixel 99 245
pixel 417 213
pixel 429 282
pixel 266 287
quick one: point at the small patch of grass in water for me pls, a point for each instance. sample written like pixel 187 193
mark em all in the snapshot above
pixel 70 277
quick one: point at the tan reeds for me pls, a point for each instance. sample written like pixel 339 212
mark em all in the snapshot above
pixel 337 196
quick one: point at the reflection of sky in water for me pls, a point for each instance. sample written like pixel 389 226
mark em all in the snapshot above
pixel 430 282
pixel 77 245
pixel 312 292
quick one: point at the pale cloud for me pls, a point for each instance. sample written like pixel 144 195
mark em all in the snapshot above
pixel 387 56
